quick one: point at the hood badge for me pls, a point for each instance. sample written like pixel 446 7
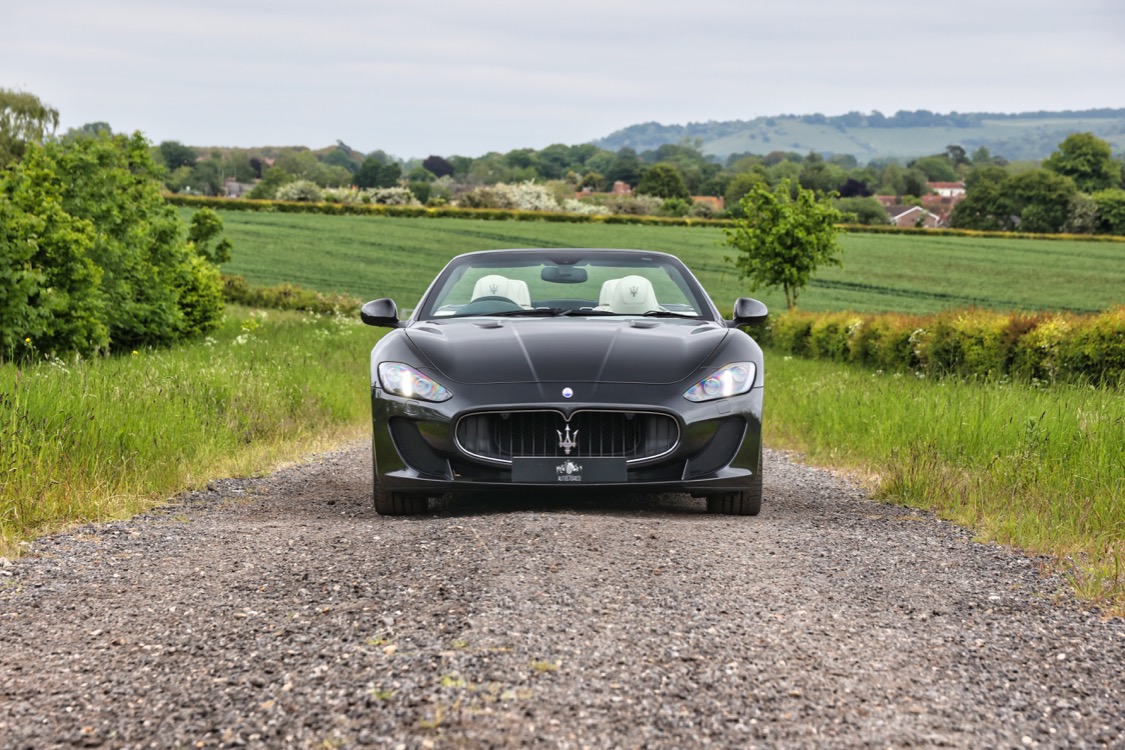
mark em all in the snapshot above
pixel 568 392
pixel 570 442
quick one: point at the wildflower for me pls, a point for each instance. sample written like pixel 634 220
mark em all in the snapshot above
pixel 134 352
pixel 27 341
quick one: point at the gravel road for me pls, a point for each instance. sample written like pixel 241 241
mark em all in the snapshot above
pixel 283 612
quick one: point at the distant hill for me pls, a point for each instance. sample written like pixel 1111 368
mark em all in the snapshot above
pixel 1029 135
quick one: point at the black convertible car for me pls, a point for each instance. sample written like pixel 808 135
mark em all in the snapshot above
pixel 566 368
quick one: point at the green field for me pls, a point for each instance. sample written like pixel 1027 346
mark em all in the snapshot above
pixel 369 257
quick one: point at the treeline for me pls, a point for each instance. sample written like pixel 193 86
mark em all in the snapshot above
pixel 1077 190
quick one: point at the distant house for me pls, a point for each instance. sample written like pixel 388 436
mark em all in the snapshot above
pixel 236 189
pixel 913 216
pixel 948 189
pixel 716 203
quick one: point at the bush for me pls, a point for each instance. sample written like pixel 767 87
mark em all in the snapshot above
pixel 95 258
pixel 1110 211
pixel 300 190
pixel 675 207
pixel 393 196
pixel 865 210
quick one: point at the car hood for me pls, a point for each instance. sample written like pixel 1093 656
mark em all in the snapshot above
pixel 494 350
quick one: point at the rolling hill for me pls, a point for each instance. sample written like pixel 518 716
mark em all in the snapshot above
pixel 1029 135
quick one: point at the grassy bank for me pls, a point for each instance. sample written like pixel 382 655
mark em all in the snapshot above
pixel 370 257
pixel 1037 468
pixel 102 439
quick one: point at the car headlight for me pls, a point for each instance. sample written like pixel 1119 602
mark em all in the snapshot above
pixel 404 380
pixel 728 380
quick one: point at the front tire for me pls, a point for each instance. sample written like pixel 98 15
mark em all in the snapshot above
pixel 389 503
pixel 745 503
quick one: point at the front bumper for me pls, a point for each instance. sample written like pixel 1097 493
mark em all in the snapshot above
pixel 415 450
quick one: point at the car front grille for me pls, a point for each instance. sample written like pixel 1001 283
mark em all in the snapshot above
pixel 502 436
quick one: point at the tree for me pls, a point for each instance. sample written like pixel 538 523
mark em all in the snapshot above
pixel 626 167
pixel 205 228
pixel 1034 201
pixel 176 155
pixel 1087 160
pixel 24 119
pixel 1043 198
pixel 50 299
pixel 865 210
pixel 987 205
pixel 271 181
pixel 956 155
pixel 740 186
pixel 438 166
pixel 784 237
pixel 90 129
pixel 664 181
pixel 936 168
pixel 374 173
pixel 99 258
pixel 1111 211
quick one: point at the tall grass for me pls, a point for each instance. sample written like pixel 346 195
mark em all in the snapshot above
pixel 1039 468
pixel 106 438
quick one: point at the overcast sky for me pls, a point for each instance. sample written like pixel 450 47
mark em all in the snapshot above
pixel 453 77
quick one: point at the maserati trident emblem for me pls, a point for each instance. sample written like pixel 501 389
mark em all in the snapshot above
pixel 633 290
pixel 494 288
pixel 570 442
pixel 568 392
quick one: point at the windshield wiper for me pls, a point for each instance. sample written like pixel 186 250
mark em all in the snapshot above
pixel 670 314
pixel 543 312
pixel 583 312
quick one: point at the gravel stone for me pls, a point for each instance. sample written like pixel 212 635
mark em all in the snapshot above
pixel 284 612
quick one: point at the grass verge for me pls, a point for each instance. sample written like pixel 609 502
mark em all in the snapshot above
pixel 106 438
pixel 1037 468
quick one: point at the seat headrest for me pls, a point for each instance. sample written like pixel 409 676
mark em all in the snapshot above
pixel 495 285
pixel 607 292
pixel 633 295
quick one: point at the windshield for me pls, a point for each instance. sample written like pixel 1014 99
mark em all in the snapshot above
pixel 571 283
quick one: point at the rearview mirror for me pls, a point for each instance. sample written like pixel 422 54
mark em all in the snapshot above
pixel 380 312
pixel 748 311
pixel 563 274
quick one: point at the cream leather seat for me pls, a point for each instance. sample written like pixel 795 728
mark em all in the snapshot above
pixel 633 295
pixel 495 285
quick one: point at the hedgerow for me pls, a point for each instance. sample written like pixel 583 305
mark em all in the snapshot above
pixel 973 343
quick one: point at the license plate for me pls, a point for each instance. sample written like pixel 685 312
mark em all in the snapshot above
pixel 564 471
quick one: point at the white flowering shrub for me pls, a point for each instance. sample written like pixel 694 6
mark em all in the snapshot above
pixel 528 196
pixel 522 196
pixel 573 206
pixel 300 190
pixel 393 196
pixel 346 195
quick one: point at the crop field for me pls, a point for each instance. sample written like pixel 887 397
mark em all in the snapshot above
pixel 369 257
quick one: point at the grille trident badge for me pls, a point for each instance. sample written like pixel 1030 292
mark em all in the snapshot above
pixel 570 442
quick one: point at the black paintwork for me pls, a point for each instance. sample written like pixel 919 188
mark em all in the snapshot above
pixel 630 363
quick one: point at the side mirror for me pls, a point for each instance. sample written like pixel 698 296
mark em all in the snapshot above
pixel 748 311
pixel 380 312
